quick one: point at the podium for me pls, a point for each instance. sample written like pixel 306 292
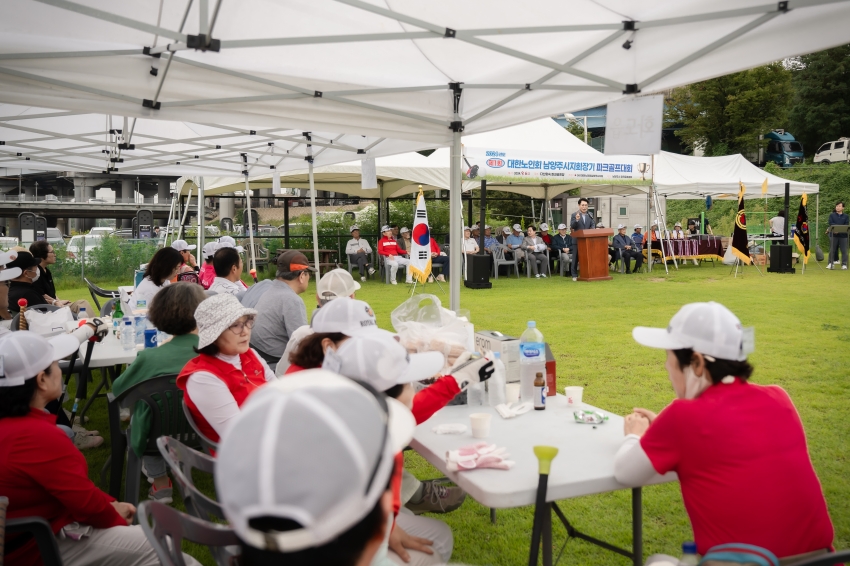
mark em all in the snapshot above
pixel 593 253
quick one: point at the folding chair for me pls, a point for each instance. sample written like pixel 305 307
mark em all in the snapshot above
pixel 499 259
pixel 210 446
pixel 182 460
pixel 37 527
pixel 529 258
pixel 564 262
pixel 16 320
pixel 352 267
pixel 96 292
pixel 164 401
pixel 165 528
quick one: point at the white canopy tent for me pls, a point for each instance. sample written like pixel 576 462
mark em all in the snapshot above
pixel 397 69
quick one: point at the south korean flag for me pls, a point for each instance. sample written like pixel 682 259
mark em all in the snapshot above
pixel 420 251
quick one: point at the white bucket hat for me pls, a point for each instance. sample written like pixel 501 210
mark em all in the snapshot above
pixel 316 448
pixel 381 361
pixel 335 284
pixel 24 354
pixel 215 314
pixel 708 328
pixel 182 246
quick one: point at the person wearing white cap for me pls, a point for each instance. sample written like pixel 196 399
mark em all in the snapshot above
pixel 503 235
pixel 404 239
pixel 489 241
pixel 637 237
pixel 624 246
pixel 736 446
pixel 185 249
pixel 44 475
pixel 392 253
pixel 562 244
pixel 535 251
pixel 677 233
pixel 303 474
pixel 228 272
pixel 207 273
pixel 470 245
pixel 335 284
pixel 359 253
pixel 226 370
pixel 514 243
pixel 380 361
pixel 163 266
pixel 23 286
pixel 229 242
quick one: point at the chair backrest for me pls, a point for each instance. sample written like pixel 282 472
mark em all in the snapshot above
pixel 16 320
pixel 165 529
pixel 165 401
pixel 209 445
pixel 183 460
pixel 96 292
pixel 4 504
pixel 40 530
pixel 106 309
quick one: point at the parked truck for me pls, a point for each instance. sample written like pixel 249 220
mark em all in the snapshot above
pixel 833 152
pixel 782 149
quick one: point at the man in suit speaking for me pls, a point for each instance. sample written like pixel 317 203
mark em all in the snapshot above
pixel 581 220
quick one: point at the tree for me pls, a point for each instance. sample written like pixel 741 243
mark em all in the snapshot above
pixel 726 115
pixel 821 110
pixel 576 128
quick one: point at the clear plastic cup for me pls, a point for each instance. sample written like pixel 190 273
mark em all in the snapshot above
pixel 573 394
pixel 480 423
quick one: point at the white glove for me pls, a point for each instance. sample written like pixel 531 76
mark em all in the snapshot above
pixel 510 411
pixel 475 371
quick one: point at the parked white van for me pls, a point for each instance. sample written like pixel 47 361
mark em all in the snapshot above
pixel 833 152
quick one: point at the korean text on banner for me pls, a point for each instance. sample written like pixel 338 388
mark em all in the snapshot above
pixel 420 249
pixel 633 126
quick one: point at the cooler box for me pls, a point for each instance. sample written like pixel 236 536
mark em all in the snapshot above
pixel 551 376
pixel 506 346
pixel 137 277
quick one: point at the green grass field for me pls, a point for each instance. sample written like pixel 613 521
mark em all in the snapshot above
pixel 802 333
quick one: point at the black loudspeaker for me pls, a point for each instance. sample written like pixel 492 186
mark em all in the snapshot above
pixel 780 259
pixel 478 272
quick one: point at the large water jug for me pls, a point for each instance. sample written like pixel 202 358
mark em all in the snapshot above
pixel 532 359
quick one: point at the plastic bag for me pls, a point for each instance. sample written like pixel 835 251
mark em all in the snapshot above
pixel 48 323
pixel 423 325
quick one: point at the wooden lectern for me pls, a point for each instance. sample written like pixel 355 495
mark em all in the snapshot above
pixel 593 253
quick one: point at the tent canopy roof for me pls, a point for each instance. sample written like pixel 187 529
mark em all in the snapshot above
pixel 688 177
pixel 390 69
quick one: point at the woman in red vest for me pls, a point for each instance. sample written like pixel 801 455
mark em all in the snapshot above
pixel 227 370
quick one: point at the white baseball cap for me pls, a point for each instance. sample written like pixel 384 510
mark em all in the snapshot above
pixel 465 228
pixel 335 284
pixel 506 230
pixel 182 245
pixel 353 228
pixel 562 226
pixel 599 225
pixel 381 361
pixel 215 314
pixel 345 315
pixel 315 448
pixel 210 248
pixel 24 354
pixel 517 227
pixel 621 227
pixel 638 226
pixel 403 230
pixel 544 227
pixel 708 328
pixel 229 242
pixel 385 228
pixel 486 226
pixel 679 224
pixel 12 272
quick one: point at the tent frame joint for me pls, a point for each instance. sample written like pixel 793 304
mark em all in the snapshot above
pixel 202 42
pixel 629 25
pixel 147 51
pixel 450 33
pixel 631 89
pixel 782 7
pixel 148 103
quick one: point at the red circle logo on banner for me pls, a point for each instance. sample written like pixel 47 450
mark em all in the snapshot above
pixel 421 235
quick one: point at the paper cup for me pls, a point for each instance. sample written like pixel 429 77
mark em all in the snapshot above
pixel 511 393
pixel 480 424
pixel 573 394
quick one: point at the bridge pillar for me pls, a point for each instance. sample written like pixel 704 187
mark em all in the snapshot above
pixel 126 192
pixel 163 194
pixel 226 208
pixel 82 193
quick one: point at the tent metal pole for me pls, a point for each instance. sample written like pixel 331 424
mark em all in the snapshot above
pixel 185 214
pixel 455 221
pixel 313 215
pixel 253 258
pixel 817 222
pixel 646 231
pixel 200 217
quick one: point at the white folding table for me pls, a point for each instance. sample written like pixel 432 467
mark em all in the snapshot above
pixel 106 354
pixel 585 464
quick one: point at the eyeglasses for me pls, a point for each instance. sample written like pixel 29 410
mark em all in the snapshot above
pixel 237 327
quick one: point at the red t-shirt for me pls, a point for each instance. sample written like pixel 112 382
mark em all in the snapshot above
pixel 744 469
pixel 389 246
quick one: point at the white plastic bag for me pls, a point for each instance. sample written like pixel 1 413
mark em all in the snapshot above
pixel 48 323
pixel 423 325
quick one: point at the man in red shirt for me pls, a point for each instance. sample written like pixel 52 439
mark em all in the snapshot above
pixel 388 247
pixel 44 475
pixel 738 448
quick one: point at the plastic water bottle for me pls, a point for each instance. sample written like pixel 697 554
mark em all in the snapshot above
pixel 496 383
pixel 82 315
pixel 139 330
pixel 128 335
pixel 689 554
pixel 532 359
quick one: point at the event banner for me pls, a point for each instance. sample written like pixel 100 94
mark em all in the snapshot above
pixel 544 166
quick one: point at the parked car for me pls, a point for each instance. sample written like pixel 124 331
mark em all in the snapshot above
pixel 101 231
pixel 51 198
pixel 54 236
pixel 833 152
pixel 126 233
pixel 97 200
pixel 75 251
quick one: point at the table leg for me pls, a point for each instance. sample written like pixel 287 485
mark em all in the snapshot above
pixel 637 526
pixel 547 536
pixel 492 516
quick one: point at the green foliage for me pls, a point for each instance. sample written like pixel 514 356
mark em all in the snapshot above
pixel 576 128
pixel 727 114
pixel 114 259
pixel 821 110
